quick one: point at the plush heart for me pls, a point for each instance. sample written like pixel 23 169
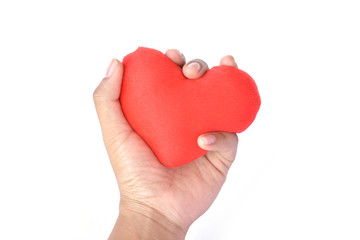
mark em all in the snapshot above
pixel 170 111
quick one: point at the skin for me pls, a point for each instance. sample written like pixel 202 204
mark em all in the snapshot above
pixel 157 202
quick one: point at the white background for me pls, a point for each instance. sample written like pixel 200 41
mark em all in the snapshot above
pixel 296 175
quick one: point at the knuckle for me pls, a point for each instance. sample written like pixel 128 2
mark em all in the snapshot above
pixel 228 140
pixel 98 92
pixel 236 138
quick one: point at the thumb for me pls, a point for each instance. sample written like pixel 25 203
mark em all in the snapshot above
pixel 221 146
pixel 107 102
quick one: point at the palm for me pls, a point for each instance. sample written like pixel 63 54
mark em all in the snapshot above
pixel 189 189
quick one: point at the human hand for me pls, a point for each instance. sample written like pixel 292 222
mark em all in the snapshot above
pixel 157 202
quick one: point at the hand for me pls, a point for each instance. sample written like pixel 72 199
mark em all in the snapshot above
pixel 157 202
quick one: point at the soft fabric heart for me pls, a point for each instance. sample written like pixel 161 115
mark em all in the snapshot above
pixel 170 111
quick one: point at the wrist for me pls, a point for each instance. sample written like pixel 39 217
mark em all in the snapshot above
pixel 139 221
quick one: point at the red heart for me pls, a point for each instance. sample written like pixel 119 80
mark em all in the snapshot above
pixel 170 111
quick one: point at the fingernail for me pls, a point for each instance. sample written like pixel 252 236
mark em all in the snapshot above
pixel 111 68
pixel 208 139
pixel 195 65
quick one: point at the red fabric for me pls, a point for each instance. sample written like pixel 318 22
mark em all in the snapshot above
pixel 170 111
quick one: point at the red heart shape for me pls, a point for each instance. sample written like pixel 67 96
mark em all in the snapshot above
pixel 170 111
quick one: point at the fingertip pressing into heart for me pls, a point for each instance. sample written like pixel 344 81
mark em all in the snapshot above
pixel 206 140
pixel 221 147
pixel 228 61
pixel 195 69
pixel 176 56
pixel 222 142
